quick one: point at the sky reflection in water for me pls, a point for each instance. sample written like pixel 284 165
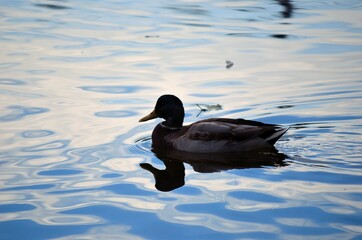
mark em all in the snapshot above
pixel 77 76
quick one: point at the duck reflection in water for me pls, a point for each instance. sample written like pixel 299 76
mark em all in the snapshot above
pixel 208 145
pixel 170 178
pixel 173 176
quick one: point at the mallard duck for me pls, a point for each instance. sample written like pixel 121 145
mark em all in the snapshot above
pixel 214 135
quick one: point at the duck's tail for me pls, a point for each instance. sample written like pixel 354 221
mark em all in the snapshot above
pixel 274 137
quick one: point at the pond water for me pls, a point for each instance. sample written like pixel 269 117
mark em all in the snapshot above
pixel 76 76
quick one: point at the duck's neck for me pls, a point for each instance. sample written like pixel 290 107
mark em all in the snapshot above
pixel 173 123
pixel 163 124
pixel 175 119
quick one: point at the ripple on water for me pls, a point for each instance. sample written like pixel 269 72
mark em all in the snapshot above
pixel 111 175
pixel 124 101
pixel 59 172
pixel 112 89
pixel 57 144
pixel 20 112
pixel 36 133
pixel 20 94
pixel 51 6
pixel 6 208
pixel 30 187
pixel 10 81
pixel 144 144
pixel 115 114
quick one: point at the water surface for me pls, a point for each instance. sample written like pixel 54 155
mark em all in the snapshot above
pixel 76 76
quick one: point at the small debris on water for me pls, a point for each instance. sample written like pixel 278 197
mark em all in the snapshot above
pixel 205 107
pixel 152 36
pixel 229 64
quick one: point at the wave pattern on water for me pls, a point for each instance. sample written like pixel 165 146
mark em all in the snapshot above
pixel 77 77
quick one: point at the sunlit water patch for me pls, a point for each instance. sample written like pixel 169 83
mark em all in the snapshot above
pixel 77 76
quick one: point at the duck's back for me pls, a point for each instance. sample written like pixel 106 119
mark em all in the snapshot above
pixel 218 135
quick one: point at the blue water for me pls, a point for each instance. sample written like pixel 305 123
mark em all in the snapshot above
pixel 76 76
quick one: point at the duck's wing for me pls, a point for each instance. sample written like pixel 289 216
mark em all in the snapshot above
pixel 235 129
pixel 227 135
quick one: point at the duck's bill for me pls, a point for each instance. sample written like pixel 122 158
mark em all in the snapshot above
pixel 150 116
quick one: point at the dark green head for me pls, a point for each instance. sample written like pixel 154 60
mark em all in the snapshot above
pixel 170 108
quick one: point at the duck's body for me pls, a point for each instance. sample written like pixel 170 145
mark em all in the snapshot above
pixel 215 135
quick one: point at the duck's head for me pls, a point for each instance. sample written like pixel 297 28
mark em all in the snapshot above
pixel 170 108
